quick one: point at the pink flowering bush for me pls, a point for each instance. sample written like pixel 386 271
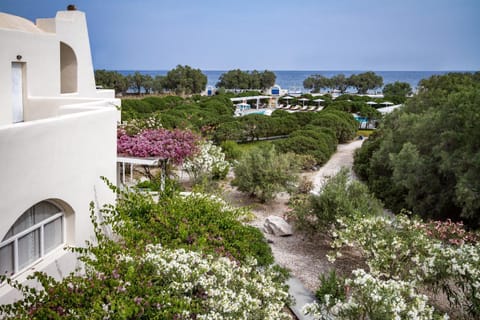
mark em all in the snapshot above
pixel 449 232
pixel 175 145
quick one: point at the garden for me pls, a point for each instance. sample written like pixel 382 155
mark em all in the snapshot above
pixel 197 250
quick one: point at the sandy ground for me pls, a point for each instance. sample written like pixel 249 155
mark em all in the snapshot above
pixel 303 255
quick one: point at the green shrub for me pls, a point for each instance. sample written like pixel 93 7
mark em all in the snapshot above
pixel 137 278
pixel 331 285
pixel 339 198
pixel 305 145
pixel 263 172
pixel 231 150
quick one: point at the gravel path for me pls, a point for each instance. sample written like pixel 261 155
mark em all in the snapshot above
pixel 343 157
pixel 304 256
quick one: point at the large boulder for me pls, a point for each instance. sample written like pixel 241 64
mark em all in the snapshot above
pixel 277 226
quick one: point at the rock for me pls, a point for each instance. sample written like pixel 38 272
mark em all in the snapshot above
pixel 277 226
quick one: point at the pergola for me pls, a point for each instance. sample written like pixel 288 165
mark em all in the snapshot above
pixel 151 162
pixel 241 99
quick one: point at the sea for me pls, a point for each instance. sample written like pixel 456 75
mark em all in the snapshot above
pixel 292 80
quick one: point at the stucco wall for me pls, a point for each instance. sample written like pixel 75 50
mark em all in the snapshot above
pixel 66 142
pixel 40 53
pixel 58 158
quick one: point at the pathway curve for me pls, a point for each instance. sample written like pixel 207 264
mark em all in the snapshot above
pixel 303 256
pixel 343 157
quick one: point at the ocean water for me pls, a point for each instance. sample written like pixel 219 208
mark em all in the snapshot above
pixel 293 80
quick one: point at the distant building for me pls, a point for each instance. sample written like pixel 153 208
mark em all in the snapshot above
pixel 57 137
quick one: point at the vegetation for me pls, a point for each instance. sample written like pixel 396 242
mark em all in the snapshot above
pixel 361 82
pixel 185 80
pixel 397 92
pixel 425 157
pixel 263 172
pixel 238 79
pixel 338 200
pixel 182 80
pixel 111 80
pixel 408 261
pixel 181 258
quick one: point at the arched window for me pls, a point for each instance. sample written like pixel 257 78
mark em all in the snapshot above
pixel 38 231
pixel 68 69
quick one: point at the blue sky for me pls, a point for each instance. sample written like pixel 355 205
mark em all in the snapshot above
pixel 275 35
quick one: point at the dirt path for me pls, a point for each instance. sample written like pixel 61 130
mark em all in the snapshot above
pixel 343 157
pixel 301 254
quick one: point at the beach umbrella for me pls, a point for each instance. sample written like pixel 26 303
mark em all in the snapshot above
pixel 371 103
pixel 303 100
pixel 318 100
pixel 288 98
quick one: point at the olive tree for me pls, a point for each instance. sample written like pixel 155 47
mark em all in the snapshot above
pixel 263 172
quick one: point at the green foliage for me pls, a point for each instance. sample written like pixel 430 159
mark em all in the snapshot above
pixel 362 82
pixel 137 278
pixel 231 150
pixel 238 79
pixel 365 81
pixel 339 198
pixel 425 157
pixel 185 80
pixel 332 285
pixel 317 82
pixel 200 114
pixel 397 91
pixel 263 172
pixel 111 80
pixel 343 124
pixel 311 142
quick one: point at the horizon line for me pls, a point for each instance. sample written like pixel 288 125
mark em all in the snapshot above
pixel 300 70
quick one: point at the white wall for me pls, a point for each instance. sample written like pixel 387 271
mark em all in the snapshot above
pixel 40 51
pixel 67 140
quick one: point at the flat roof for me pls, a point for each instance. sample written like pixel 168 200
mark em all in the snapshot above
pixel 140 161
pixel 250 98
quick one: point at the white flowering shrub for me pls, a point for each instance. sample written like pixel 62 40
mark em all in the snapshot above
pixel 371 298
pixel 134 277
pixel 137 125
pixel 399 249
pixel 209 162
pixel 225 289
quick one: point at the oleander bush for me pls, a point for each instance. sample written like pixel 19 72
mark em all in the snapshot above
pixel 409 261
pixel 209 163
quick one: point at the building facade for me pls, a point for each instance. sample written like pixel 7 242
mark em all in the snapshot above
pixel 57 138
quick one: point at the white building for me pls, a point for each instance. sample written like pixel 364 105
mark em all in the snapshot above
pixel 57 137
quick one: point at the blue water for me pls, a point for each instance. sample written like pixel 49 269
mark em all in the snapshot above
pixel 293 80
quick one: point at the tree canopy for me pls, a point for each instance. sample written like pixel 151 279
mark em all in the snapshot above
pixel 111 80
pixel 397 91
pixel 185 80
pixel 238 79
pixel 426 157
pixel 362 82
